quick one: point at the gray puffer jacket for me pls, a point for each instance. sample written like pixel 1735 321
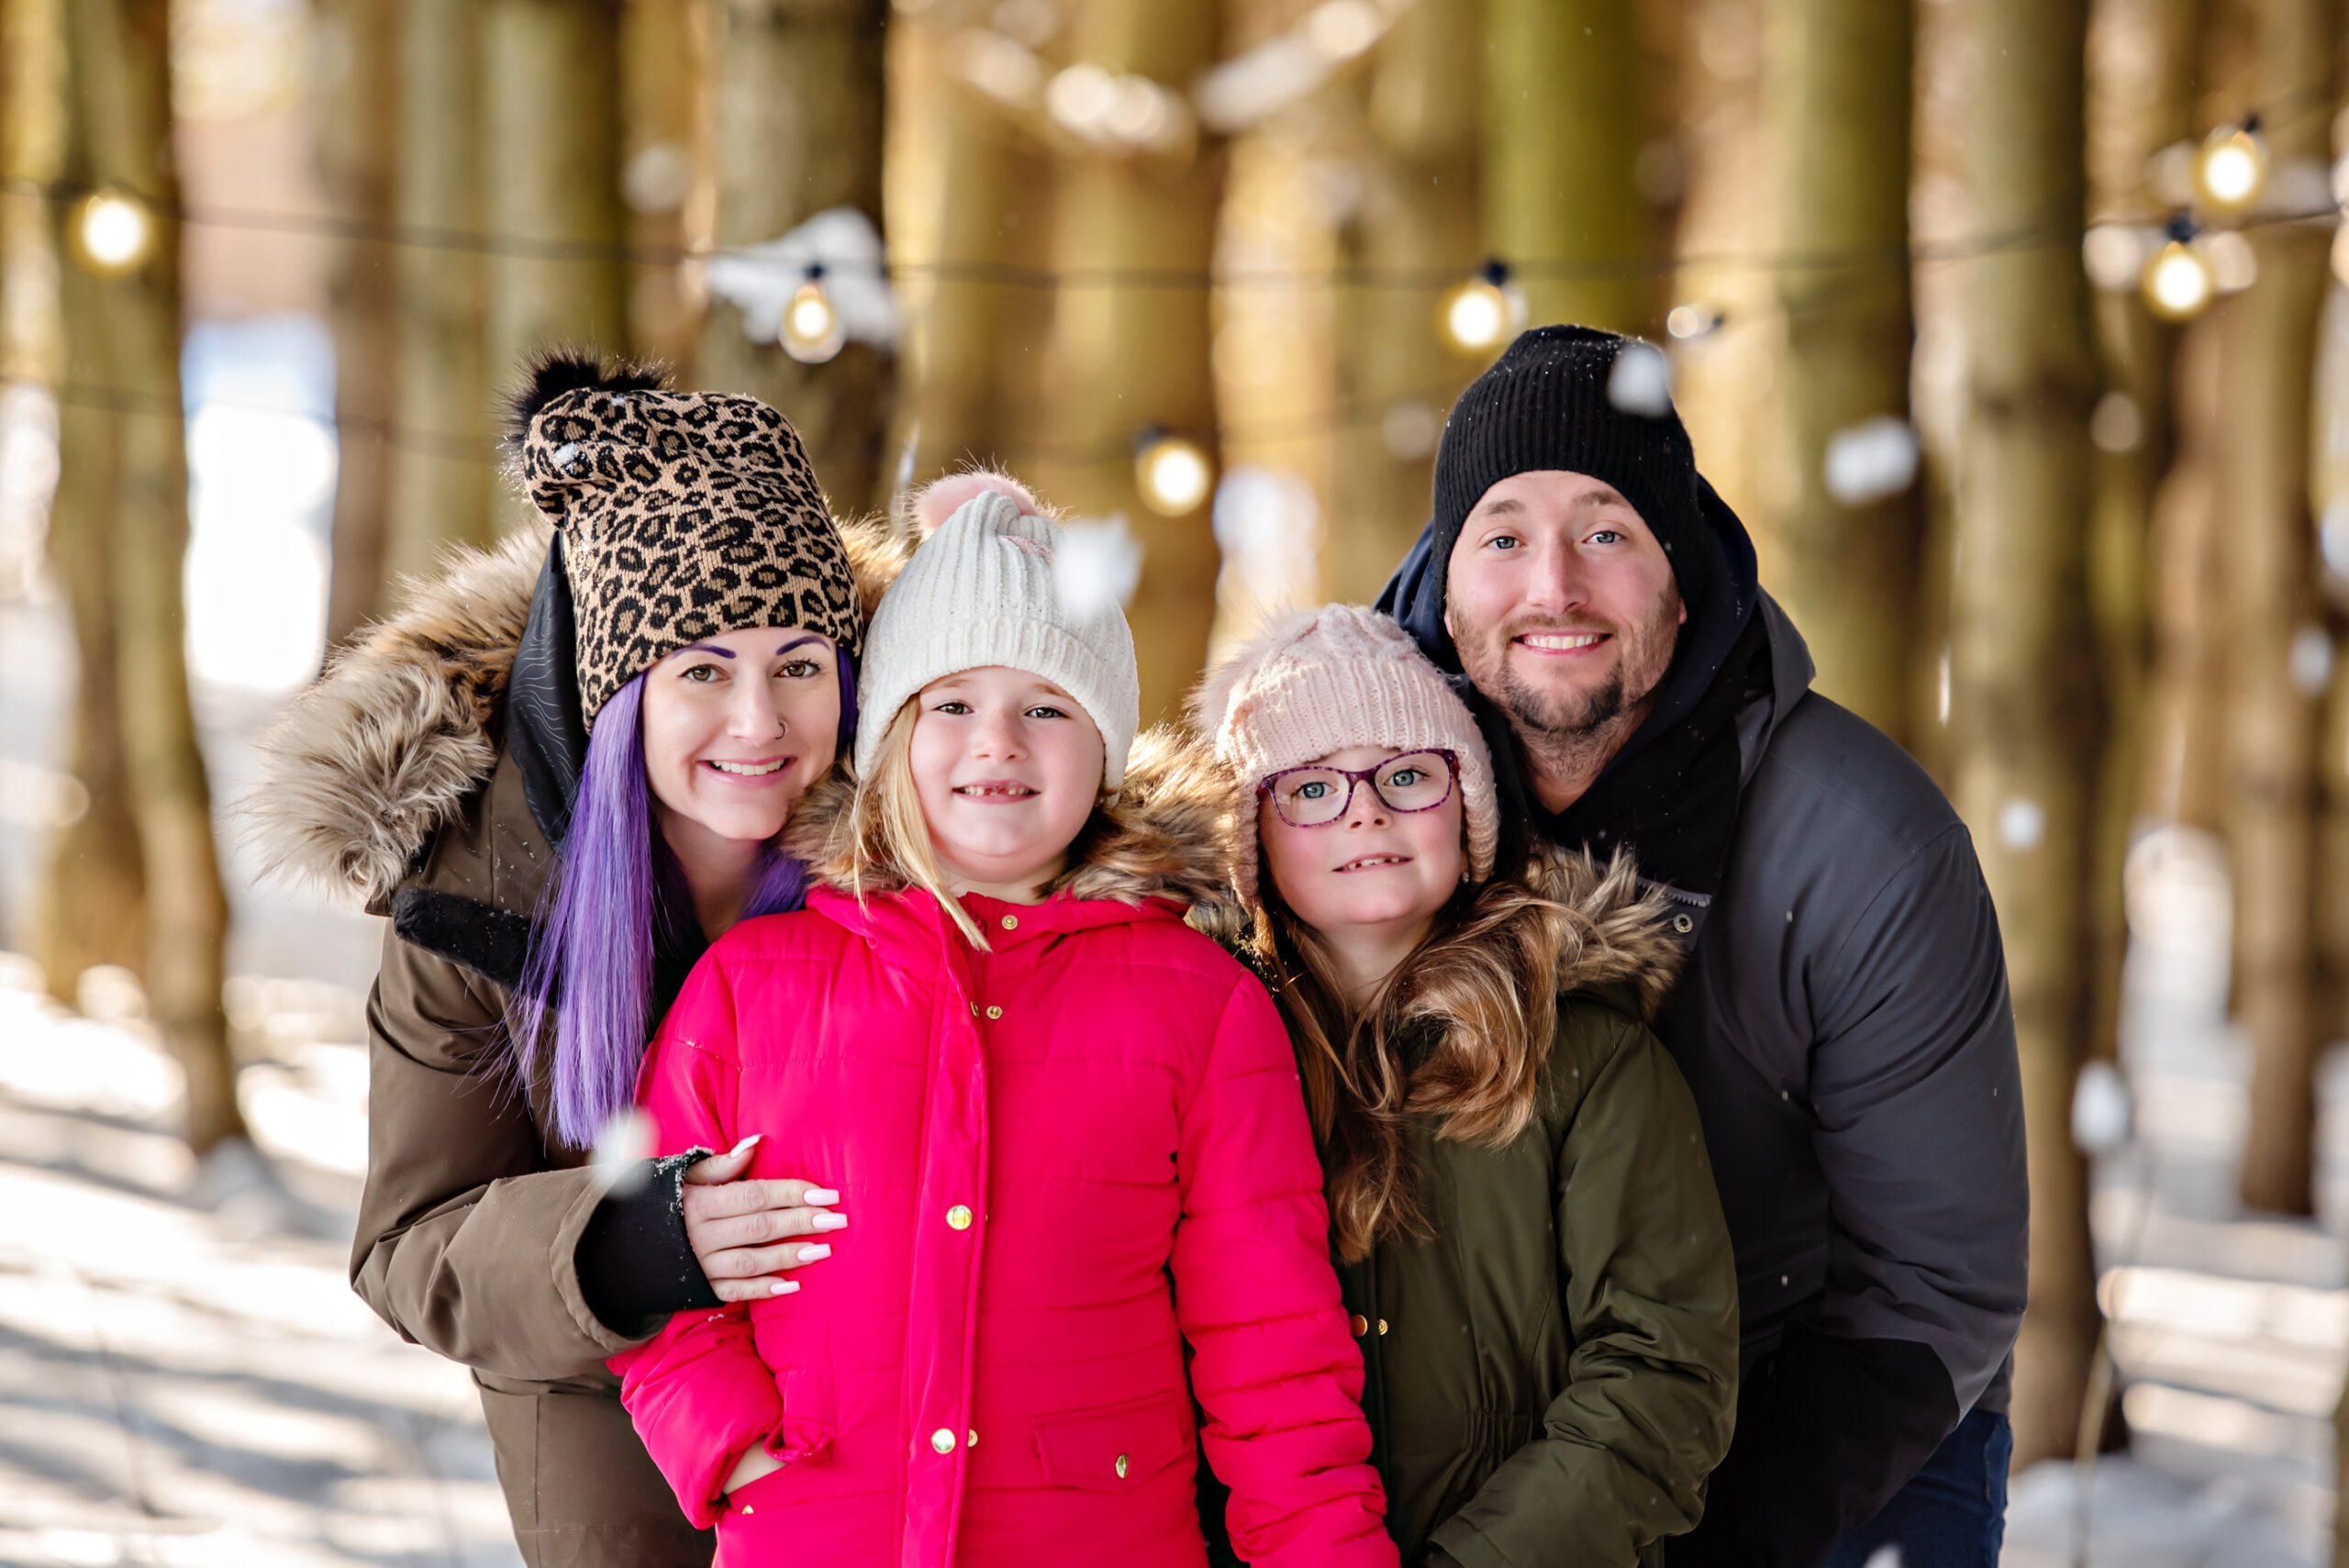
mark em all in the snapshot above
pixel 1844 1024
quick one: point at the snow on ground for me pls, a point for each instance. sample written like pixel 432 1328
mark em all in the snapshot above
pixel 186 1377
pixel 2231 1330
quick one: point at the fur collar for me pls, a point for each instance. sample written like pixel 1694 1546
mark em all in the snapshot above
pixel 383 751
pixel 1163 834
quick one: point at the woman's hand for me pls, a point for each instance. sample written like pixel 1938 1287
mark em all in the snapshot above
pixel 756 1462
pixel 745 1234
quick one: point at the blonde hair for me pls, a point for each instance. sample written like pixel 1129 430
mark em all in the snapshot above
pixel 888 837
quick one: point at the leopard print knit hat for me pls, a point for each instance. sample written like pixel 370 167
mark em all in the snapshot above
pixel 683 515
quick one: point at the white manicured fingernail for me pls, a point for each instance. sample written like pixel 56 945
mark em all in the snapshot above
pixel 744 1144
pixel 784 1287
pixel 810 1254
pixel 820 1197
pixel 831 1222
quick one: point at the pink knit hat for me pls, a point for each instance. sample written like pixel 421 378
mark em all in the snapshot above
pixel 1315 682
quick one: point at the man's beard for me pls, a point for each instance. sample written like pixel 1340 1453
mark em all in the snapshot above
pixel 1539 714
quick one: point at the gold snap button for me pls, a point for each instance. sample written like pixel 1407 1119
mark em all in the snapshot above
pixel 1011 922
pixel 1361 1325
pixel 1683 924
pixel 995 1012
pixel 942 1441
pixel 750 1509
pixel 973 1441
pixel 1121 1467
pixel 975 1009
pixel 959 1217
pixel 1382 1326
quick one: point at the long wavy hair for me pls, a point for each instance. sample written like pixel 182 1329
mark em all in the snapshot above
pixel 617 903
pixel 1461 1030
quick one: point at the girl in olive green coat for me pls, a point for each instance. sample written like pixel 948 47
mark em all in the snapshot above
pixel 1526 1227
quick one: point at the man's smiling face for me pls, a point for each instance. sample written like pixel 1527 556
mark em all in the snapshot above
pixel 1563 605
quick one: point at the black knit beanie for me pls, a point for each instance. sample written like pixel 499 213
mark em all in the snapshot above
pixel 1546 405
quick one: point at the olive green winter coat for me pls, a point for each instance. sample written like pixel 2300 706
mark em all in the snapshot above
pixel 1551 1376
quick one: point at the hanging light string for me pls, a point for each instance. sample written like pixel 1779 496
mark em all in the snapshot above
pixel 120 209
pixel 1685 322
pixel 1224 435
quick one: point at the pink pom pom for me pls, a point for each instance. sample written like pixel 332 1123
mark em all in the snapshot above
pixel 938 500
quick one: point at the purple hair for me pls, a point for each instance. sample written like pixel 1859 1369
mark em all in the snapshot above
pixel 618 906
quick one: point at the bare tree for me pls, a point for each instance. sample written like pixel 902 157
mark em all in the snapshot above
pixel 356 58
pixel 2023 709
pixel 1563 130
pixel 442 487
pixel 123 332
pixel 982 202
pixel 1839 104
pixel 550 154
pixel 1125 355
pixel 1418 216
pixel 87 906
pixel 799 115
pixel 2268 360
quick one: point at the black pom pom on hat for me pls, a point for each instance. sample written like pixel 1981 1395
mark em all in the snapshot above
pixel 552 372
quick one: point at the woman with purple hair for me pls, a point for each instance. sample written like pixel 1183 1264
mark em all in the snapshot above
pixel 561 794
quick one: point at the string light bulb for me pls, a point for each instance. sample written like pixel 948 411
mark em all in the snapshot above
pixel 1174 474
pixel 2231 168
pixel 114 232
pixel 811 324
pixel 1483 312
pixel 2178 281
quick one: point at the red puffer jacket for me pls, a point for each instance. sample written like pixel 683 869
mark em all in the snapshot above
pixel 1061 1161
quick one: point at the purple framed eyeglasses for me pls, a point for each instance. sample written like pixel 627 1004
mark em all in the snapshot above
pixel 1317 796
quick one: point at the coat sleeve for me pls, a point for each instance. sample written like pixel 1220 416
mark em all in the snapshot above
pixel 698 1391
pixel 1649 1291
pixel 464 1244
pixel 1273 1365
pixel 1918 1104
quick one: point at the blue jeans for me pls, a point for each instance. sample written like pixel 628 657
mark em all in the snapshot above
pixel 1953 1513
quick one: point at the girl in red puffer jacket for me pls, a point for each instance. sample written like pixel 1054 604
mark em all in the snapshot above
pixel 1059 1134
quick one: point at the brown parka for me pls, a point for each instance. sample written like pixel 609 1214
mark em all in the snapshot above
pixel 386 783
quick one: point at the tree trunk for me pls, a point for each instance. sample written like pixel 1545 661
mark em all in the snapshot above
pixel 1419 215
pixel 91 906
pixel 1839 90
pixel 2022 701
pixel 665 68
pixel 357 106
pixel 2185 748
pixel 977 204
pixel 799 118
pixel 86 907
pixel 1126 355
pixel 2267 361
pixel 442 483
pixel 124 332
pixel 1562 127
pixel 550 162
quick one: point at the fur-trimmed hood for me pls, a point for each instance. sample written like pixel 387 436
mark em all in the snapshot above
pixel 375 758
pixel 1163 833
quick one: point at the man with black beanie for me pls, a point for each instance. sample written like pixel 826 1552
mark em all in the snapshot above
pixel 1843 1018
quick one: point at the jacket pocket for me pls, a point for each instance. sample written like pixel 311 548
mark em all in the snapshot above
pixel 809 1419
pixel 1115 1446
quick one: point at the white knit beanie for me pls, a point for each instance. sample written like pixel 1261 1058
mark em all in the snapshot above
pixel 980 592
pixel 1319 681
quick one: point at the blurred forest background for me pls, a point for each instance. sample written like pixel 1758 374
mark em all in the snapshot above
pixel 2017 330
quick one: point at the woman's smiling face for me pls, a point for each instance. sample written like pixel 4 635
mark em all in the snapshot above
pixel 737 727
